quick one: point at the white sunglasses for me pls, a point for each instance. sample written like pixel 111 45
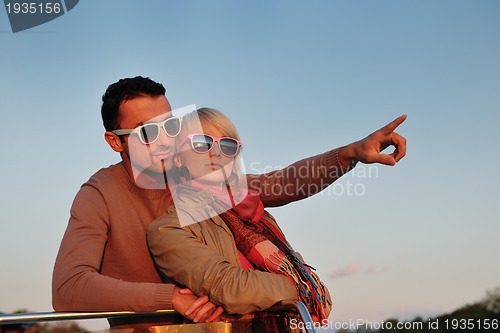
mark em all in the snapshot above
pixel 150 132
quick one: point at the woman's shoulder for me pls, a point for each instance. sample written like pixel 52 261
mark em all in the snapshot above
pixel 192 207
pixel 186 210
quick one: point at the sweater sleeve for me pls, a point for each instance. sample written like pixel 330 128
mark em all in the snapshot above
pixel 190 261
pixel 299 180
pixel 78 285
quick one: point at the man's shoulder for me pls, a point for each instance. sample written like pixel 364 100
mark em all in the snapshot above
pixel 106 177
pixel 99 189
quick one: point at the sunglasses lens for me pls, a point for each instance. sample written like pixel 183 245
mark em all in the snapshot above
pixel 149 133
pixel 202 143
pixel 229 147
pixel 172 126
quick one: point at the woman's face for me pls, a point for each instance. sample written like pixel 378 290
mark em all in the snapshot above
pixel 212 167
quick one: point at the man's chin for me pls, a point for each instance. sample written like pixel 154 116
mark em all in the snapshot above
pixel 154 176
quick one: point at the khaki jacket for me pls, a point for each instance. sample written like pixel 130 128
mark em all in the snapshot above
pixel 203 257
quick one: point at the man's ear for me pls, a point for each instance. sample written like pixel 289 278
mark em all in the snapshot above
pixel 113 141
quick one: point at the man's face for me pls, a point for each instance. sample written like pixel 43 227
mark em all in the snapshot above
pixel 146 162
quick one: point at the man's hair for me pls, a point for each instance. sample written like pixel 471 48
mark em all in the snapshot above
pixel 122 91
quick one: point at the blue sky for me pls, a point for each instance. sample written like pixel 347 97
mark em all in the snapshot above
pixel 420 238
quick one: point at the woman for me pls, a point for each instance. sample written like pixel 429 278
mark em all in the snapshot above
pixel 218 240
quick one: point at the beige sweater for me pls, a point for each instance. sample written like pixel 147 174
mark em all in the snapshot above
pixel 104 264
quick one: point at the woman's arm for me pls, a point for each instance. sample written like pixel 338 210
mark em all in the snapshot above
pixel 188 260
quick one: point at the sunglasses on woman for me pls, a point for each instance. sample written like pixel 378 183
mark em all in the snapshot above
pixel 203 143
pixel 150 132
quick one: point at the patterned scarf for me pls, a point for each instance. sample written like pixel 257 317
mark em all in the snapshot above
pixel 266 248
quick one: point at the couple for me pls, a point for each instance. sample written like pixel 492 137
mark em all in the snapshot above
pixel 104 263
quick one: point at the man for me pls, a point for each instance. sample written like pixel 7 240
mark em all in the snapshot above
pixel 103 263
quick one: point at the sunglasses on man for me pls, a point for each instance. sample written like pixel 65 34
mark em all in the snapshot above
pixel 150 132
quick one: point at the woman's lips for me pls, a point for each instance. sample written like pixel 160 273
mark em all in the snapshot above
pixel 215 166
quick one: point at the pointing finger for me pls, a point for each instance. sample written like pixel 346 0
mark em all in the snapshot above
pixel 389 128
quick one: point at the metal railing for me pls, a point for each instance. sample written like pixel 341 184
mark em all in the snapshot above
pixel 296 307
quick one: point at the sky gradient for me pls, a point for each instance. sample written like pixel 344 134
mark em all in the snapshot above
pixel 297 79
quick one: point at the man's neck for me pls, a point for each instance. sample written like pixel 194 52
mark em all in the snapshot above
pixel 146 179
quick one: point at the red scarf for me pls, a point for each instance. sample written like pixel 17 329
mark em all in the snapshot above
pixel 266 247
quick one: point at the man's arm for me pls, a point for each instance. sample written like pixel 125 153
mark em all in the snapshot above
pixel 311 175
pixel 299 180
pixel 77 283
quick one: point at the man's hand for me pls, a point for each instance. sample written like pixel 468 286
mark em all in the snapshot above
pixel 368 149
pixel 198 309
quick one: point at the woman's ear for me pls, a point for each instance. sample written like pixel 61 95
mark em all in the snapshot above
pixel 114 141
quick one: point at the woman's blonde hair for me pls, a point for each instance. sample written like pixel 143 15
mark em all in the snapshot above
pixel 209 118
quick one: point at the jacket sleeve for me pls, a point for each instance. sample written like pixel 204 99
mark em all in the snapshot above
pixel 78 285
pixel 189 261
pixel 299 180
